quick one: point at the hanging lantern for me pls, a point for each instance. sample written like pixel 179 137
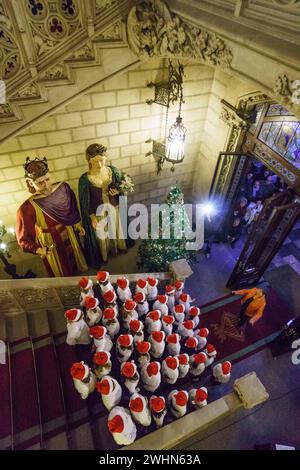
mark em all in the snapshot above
pixel 175 143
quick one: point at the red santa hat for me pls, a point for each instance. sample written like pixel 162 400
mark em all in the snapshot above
pixel 179 308
pixel 104 386
pixel 154 315
pixel 135 326
pixel 153 368
pixel 170 289
pixel 172 362
pixel 101 358
pixel 181 398
pixel 173 338
pixel 128 369
pixel 226 367
pixel 163 299
pixel 110 296
pixel 203 332
pixel 116 424
pixel 85 283
pixel 142 283
pixel 143 347
pixel 201 394
pixel 129 305
pixel 194 311
pixel 168 319
pixel 178 284
pixel 102 276
pixel 73 315
pixel 157 404
pixel 200 358
pixel 109 313
pixel 79 370
pixel 125 340
pixel 123 282
pixel 158 336
pixel 211 350
pixel 140 297
pixel 97 331
pixel 184 297
pixel 183 359
pixel 136 404
pixel 91 302
pixel 188 324
pixel 152 281
pixel 191 343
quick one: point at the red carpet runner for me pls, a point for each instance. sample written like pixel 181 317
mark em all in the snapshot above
pixel 232 343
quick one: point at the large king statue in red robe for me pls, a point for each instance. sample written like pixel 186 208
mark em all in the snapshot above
pixel 49 223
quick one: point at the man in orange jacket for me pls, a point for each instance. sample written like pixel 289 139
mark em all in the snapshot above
pixel 253 305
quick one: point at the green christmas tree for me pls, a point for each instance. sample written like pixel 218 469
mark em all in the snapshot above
pixel 158 251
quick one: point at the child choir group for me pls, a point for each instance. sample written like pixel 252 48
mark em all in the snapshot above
pixel 171 324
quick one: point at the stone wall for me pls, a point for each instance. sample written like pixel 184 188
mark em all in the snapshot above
pixel 224 86
pixel 116 115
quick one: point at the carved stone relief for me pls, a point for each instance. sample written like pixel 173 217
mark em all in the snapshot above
pixel 154 31
pixel 31 91
pixel 69 295
pixel 84 53
pixel 51 22
pixel 104 4
pixel 113 32
pixel 8 303
pixel 34 298
pixel 7 113
pixel 289 92
pixel 58 72
pixel 10 57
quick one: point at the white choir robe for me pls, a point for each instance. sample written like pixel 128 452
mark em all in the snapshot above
pixel 78 333
pixel 85 388
pixel 92 318
pixel 114 397
pixel 103 344
pixel 128 435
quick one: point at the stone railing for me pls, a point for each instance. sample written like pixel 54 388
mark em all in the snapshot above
pixel 248 392
pixel 26 295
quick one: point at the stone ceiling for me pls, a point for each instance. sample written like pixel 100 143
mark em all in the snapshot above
pixel 53 51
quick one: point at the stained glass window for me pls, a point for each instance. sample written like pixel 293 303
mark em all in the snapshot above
pixel 283 138
pixel 278 110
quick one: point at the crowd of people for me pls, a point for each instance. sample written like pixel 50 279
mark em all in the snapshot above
pixel 258 185
pixel 142 344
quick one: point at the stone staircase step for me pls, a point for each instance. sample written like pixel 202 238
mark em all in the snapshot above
pixel 16 327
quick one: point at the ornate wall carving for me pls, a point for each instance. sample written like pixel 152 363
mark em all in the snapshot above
pixel 8 303
pixel 34 298
pixel 154 31
pixel 288 92
pixel 103 5
pixel 113 32
pixel 10 56
pixel 266 155
pixel 51 22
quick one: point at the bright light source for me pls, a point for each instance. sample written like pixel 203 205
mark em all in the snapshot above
pixel 11 230
pixel 175 142
pixel 1 223
pixel 2 246
pixel 208 209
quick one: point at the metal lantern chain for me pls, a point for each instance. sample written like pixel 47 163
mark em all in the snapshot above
pixel 172 148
